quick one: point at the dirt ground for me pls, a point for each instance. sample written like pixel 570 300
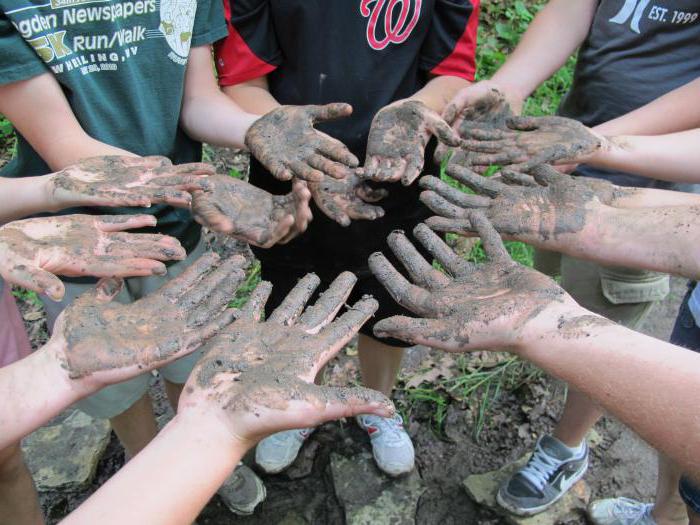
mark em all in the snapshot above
pixel 621 464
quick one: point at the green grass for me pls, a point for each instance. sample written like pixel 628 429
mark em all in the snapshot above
pixel 251 281
pixel 27 296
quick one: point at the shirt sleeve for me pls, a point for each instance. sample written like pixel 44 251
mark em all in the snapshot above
pixel 251 49
pixel 450 47
pixel 209 23
pixel 18 61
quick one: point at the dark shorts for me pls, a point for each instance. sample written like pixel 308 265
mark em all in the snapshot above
pixel 686 333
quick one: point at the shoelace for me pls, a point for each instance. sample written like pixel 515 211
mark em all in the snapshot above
pixel 540 467
pixel 630 509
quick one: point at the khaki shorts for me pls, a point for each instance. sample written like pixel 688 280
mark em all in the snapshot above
pixel 115 399
pixel 623 295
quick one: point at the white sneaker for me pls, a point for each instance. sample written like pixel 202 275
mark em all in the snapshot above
pixel 276 452
pixel 391 446
pixel 620 511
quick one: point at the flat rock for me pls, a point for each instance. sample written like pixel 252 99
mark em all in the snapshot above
pixel 64 456
pixel 369 497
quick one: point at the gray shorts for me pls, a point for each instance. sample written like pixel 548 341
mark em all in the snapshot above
pixel 115 399
pixel 623 295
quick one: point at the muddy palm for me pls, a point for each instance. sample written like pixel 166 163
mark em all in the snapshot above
pixel 239 209
pixel 257 376
pixel 528 141
pixel 532 208
pixel 348 199
pixel 286 142
pixel 34 251
pixel 127 181
pixel 397 140
pixel 473 306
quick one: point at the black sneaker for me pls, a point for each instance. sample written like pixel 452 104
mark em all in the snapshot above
pixel 549 473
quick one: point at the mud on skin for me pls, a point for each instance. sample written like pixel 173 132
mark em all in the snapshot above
pixel 479 304
pixel 287 144
pixel 244 211
pixel 128 181
pixel 255 365
pixel 527 141
pixel 397 140
pixel 102 335
pixel 541 206
pixel 578 327
pixel 488 112
pixel 344 200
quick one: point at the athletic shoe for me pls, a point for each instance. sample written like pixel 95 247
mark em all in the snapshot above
pixel 391 446
pixel 620 511
pixel 242 491
pixel 276 452
pixel 551 471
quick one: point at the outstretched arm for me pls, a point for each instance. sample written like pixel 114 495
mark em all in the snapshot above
pixel 581 217
pixel 98 342
pixel 501 304
pixel 255 378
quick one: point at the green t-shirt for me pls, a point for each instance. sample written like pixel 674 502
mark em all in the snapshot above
pixel 121 65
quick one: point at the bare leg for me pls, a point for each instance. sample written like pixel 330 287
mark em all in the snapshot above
pixel 669 508
pixel 694 518
pixel 379 364
pixel 173 390
pixel 136 426
pixel 19 503
pixel 579 416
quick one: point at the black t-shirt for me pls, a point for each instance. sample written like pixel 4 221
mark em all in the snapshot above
pixel 367 53
pixel 635 52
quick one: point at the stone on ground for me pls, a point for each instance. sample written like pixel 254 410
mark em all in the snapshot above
pixel 64 456
pixel 369 497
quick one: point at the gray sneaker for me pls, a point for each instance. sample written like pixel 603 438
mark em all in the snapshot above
pixel 391 445
pixel 242 491
pixel 620 511
pixel 549 473
pixel 276 452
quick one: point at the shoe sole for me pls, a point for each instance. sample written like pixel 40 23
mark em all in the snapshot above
pixel 541 508
pixel 250 509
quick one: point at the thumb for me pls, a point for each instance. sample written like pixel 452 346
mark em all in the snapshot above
pixel 330 111
pixel 443 131
pixel 522 123
pixel 108 288
pixel 37 279
pixel 344 402
pixel 456 106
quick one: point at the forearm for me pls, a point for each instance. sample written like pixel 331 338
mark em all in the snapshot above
pixel 663 239
pixel 675 111
pixel 253 96
pixel 34 390
pixel 555 33
pixel 438 92
pixel 648 384
pixel 674 157
pixel 169 482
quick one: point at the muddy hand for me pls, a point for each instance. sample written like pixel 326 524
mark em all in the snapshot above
pixel 127 181
pixel 347 199
pixel 475 306
pixel 258 377
pixel 34 251
pixel 486 109
pixel 287 144
pixel 530 141
pixel 536 209
pixel 397 140
pixel 239 209
pixel 105 341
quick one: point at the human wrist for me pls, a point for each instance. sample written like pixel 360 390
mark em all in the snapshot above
pixel 545 325
pixel 53 370
pixel 207 426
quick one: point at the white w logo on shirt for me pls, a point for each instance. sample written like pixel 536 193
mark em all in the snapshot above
pixel 633 9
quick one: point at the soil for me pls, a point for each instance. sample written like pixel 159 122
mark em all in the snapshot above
pixel 621 464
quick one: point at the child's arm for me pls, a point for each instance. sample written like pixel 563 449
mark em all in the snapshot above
pixel 553 36
pixel 38 109
pixel 677 110
pixel 649 384
pixel 207 114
